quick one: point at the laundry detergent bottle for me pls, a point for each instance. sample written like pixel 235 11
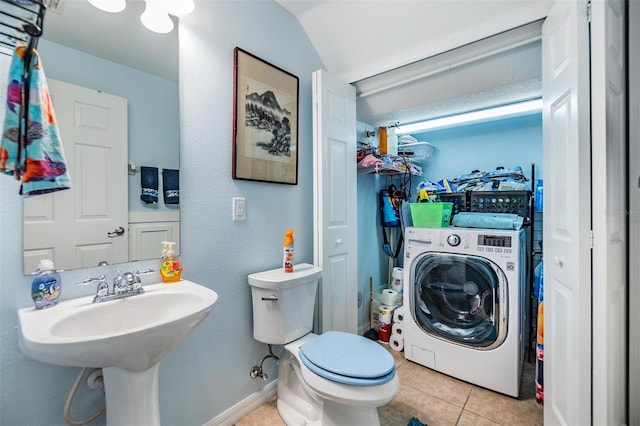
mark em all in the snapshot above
pixel 171 268
pixel 288 251
pixel 46 286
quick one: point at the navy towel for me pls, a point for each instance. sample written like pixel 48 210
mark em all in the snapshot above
pixel 149 183
pixel 171 186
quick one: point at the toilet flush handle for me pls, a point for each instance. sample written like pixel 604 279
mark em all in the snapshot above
pixel 271 297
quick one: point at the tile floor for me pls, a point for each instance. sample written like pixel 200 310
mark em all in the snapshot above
pixel 444 401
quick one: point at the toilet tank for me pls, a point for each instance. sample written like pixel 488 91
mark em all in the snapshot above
pixel 283 303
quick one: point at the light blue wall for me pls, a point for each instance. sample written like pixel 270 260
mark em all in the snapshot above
pixel 152 103
pixel 208 372
pixel 508 143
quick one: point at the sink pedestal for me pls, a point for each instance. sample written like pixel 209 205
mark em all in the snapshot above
pixel 131 396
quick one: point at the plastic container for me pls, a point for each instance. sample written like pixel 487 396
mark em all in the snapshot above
pixel 540 344
pixel 392 141
pixel 537 278
pixel 46 286
pixel 287 256
pixel 538 196
pixel 171 268
pixel 431 215
pixel 382 141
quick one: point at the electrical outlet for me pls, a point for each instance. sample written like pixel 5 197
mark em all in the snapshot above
pixel 239 208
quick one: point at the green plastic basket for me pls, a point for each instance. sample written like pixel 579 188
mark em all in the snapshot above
pixel 431 215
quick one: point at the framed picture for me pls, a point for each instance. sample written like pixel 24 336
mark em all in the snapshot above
pixel 265 134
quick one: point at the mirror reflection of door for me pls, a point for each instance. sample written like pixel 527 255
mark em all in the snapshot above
pixel 77 228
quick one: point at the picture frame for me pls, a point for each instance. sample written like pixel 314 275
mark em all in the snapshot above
pixel 265 120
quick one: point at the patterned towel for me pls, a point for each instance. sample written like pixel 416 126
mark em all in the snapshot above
pixel 37 159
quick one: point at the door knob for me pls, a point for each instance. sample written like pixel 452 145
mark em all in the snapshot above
pixel 116 232
pixel 559 262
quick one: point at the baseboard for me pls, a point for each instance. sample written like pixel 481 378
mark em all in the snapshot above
pixel 246 406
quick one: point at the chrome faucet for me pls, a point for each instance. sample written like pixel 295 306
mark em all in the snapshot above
pixel 124 285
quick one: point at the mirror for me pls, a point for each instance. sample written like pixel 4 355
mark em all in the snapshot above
pixel 116 56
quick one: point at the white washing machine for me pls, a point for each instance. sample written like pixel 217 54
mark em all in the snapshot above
pixel 465 304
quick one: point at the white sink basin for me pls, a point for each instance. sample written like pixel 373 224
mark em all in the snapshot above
pixel 131 333
pixel 125 337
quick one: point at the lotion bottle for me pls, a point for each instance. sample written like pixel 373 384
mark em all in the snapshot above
pixel 171 268
pixel 287 260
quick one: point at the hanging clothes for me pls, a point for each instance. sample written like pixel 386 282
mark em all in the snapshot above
pixel 31 149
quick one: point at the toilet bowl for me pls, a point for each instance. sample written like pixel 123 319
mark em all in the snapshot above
pixel 335 378
pixel 306 397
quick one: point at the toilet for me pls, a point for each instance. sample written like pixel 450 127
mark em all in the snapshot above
pixel 335 378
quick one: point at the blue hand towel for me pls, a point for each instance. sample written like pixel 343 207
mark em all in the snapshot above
pixel 171 186
pixel 488 220
pixel 149 184
pixel 36 157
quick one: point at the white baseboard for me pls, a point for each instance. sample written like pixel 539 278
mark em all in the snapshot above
pixel 246 406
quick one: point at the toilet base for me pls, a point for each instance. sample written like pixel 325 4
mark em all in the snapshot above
pixel 298 404
pixel 332 415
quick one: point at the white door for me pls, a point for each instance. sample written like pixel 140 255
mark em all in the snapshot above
pixel 567 215
pixel 76 227
pixel 634 213
pixel 335 201
pixel 608 133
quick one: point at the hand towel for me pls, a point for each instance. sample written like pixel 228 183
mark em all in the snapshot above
pixel 31 148
pixel 149 183
pixel 488 220
pixel 171 186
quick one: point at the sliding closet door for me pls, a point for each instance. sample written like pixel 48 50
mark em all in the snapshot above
pixel 609 180
pixel 634 210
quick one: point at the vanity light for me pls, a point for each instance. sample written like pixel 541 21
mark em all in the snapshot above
pixel 505 111
pixel 156 18
pixel 112 6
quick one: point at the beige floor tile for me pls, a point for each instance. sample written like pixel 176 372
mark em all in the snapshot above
pixel 265 415
pixel 471 419
pixel 397 356
pixel 503 409
pixel 434 383
pixel 410 402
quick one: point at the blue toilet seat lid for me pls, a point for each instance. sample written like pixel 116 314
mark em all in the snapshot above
pixel 348 358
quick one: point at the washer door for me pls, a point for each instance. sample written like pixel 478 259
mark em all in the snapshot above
pixel 460 298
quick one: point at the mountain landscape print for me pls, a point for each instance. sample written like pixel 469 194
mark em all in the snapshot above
pixel 264 114
pixel 265 137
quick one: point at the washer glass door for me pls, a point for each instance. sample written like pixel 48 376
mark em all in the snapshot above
pixel 460 298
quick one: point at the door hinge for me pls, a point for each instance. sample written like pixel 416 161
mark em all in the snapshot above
pixel 589 11
pixel 591 239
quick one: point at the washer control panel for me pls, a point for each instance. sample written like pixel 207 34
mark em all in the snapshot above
pixel 453 240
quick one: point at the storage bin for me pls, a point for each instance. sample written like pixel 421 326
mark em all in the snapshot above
pixel 515 202
pixel 416 150
pixel 431 215
pixel 459 200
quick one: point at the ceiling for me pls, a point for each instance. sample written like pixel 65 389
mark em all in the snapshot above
pixel 119 37
pixel 360 42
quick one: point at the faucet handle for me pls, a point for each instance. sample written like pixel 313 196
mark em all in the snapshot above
pixel 92 280
pixel 102 290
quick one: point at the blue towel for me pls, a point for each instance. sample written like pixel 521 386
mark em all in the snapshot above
pixel 171 186
pixel 149 184
pixel 488 220
pixel 35 155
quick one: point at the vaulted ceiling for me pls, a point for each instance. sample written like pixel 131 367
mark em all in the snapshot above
pixel 370 43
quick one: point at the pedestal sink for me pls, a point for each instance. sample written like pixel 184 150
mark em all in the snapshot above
pixel 125 337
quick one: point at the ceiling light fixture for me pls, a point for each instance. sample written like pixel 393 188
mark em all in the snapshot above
pixel 112 6
pixel 505 111
pixel 155 17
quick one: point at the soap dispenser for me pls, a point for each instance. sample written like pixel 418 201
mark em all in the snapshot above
pixel 171 268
